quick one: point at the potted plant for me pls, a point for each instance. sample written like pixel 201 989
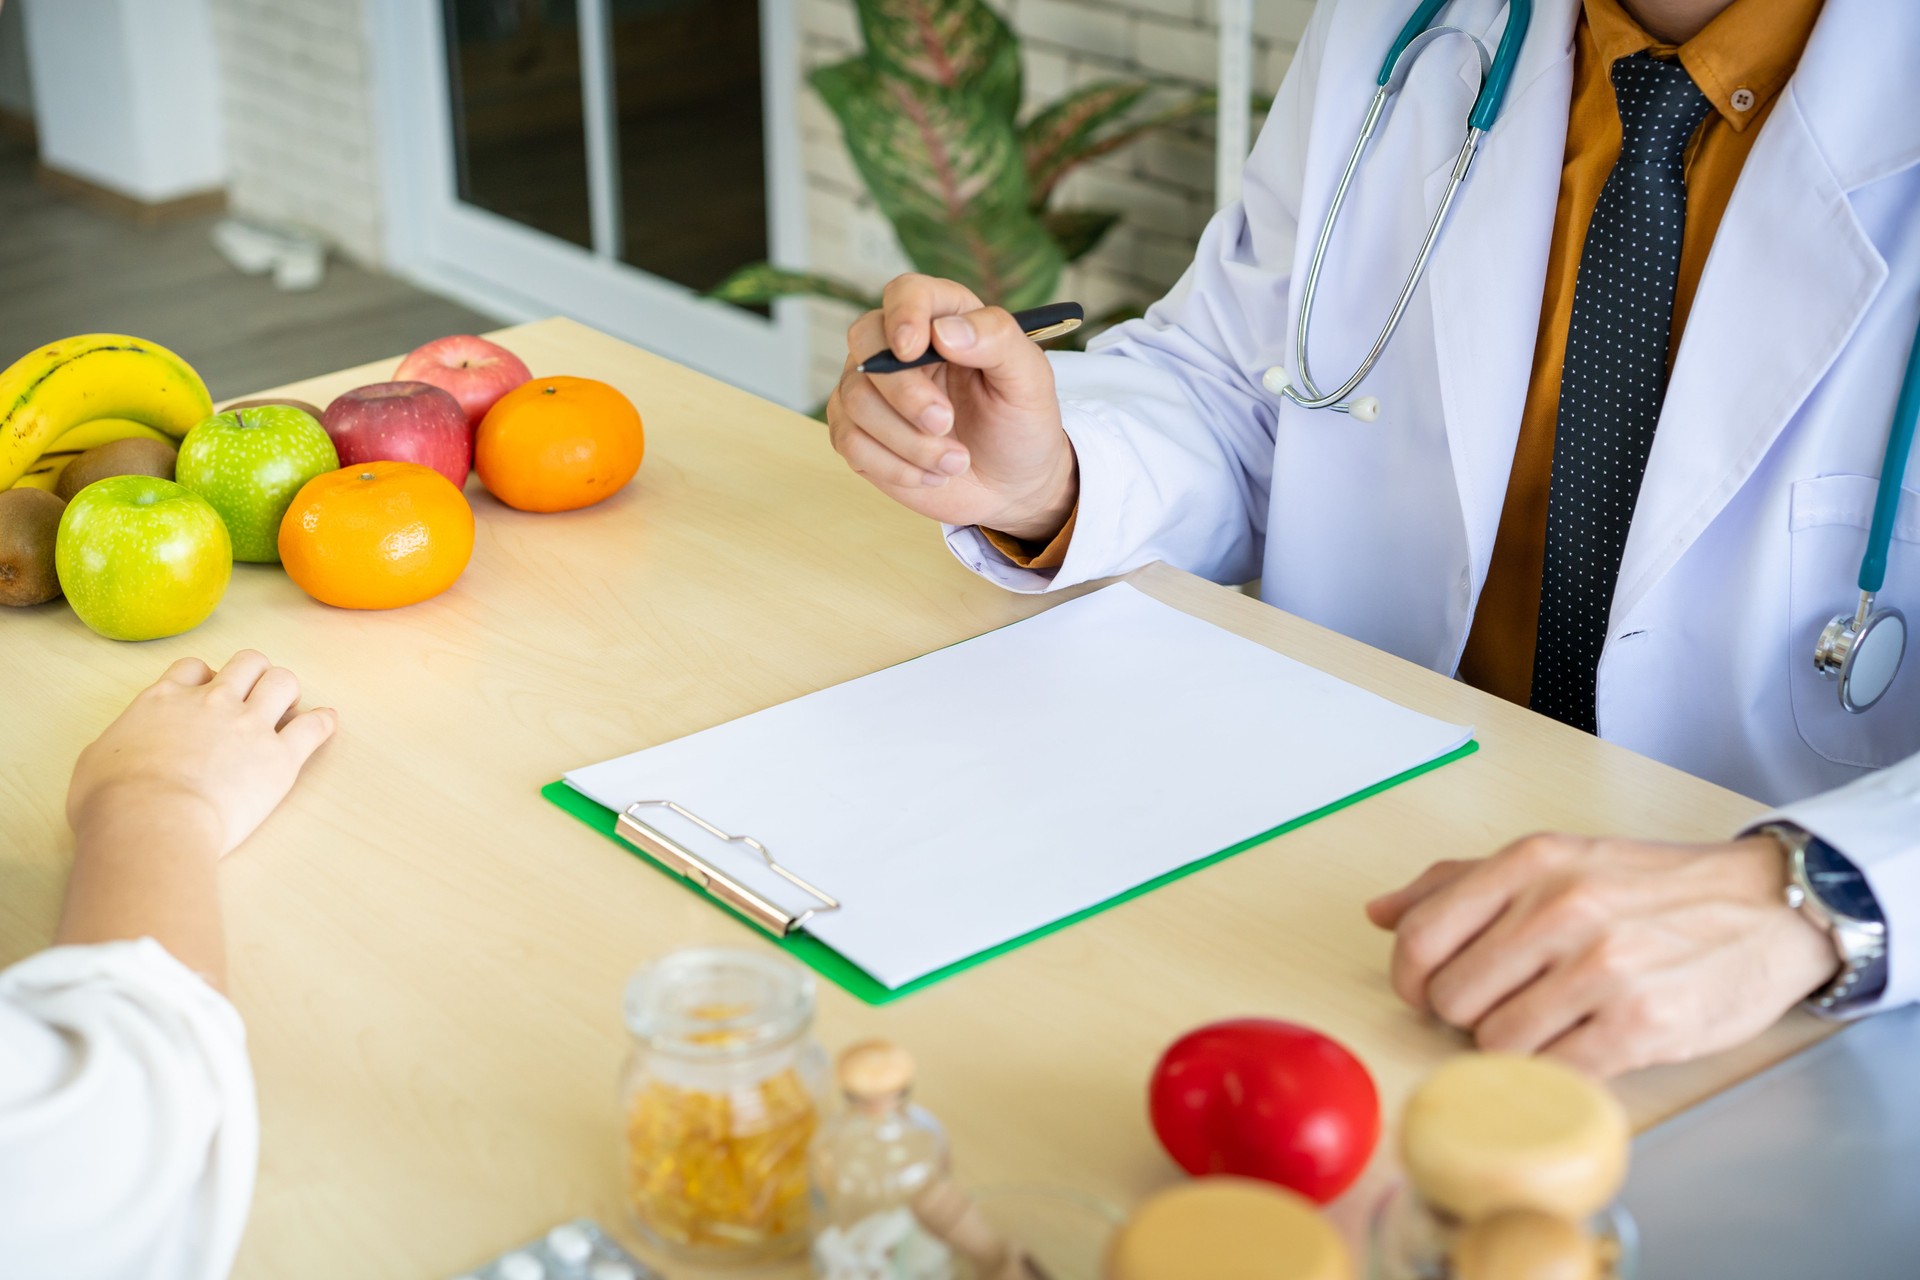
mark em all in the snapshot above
pixel 930 111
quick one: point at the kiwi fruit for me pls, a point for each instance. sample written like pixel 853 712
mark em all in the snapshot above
pixel 137 456
pixel 29 518
pixel 312 411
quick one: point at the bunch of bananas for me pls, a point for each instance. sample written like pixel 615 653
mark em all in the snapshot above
pixel 70 396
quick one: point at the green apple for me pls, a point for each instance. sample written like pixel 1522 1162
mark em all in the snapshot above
pixel 140 557
pixel 248 463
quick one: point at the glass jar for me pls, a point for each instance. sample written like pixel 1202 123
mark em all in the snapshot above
pixel 1410 1239
pixel 868 1164
pixel 720 1098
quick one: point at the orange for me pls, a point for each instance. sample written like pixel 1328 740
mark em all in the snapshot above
pixel 376 535
pixel 555 444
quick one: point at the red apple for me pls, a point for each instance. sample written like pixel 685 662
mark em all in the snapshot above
pixel 474 371
pixel 401 422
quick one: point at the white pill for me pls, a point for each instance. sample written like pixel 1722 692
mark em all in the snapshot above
pixel 607 1269
pixel 521 1266
pixel 570 1244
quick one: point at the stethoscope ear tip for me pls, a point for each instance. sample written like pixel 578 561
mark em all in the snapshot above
pixel 1275 380
pixel 1365 409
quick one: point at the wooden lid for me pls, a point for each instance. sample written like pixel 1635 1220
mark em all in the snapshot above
pixel 1489 1131
pixel 1523 1244
pixel 876 1069
pixel 1227 1229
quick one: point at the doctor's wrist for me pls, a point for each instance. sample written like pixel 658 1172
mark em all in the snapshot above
pixel 1040 517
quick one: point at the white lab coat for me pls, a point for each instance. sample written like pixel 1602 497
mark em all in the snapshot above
pixel 1751 521
pixel 128 1132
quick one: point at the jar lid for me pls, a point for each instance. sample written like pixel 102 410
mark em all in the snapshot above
pixel 1491 1131
pixel 1228 1229
pixel 718 1002
pixel 1524 1244
pixel 875 1069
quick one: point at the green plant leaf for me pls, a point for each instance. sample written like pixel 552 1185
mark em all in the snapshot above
pixel 763 282
pixel 945 167
pixel 1009 260
pixel 1065 127
pixel 1078 231
pixel 955 44
pixel 1062 159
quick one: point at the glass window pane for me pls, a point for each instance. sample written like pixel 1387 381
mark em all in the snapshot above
pixel 692 136
pixel 519 139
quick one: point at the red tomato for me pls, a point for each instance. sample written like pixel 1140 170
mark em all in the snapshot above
pixel 1266 1099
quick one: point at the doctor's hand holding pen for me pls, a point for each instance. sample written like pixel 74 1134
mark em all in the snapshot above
pixel 973 440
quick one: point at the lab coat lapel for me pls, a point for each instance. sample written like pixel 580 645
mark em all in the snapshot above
pixel 1486 276
pixel 1790 274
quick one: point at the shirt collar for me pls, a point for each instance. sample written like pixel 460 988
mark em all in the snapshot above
pixel 1740 60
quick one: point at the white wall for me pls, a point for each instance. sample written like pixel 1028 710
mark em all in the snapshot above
pixel 16 88
pixel 126 94
pixel 297 81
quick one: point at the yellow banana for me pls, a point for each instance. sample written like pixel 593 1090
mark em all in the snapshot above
pixel 45 473
pixel 90 435
pixel 48 392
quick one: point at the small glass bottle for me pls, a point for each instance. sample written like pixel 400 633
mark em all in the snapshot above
pixel 867 1165
pixel 721 1097
pixel 1512 1165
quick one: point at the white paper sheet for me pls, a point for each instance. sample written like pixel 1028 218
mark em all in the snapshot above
pixel 968 797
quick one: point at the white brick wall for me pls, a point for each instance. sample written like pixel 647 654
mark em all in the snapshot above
pixel 298 96
pixel 1163 184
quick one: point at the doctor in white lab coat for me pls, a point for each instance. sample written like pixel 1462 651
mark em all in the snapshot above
pixel 1162 444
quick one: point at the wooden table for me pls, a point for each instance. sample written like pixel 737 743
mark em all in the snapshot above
pixel 430 958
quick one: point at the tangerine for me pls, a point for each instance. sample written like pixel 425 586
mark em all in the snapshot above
pixel 557 444
pixel 376 535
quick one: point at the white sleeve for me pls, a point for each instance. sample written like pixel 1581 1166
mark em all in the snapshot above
pixel 1174 433
pixel 128 1131
pixel 1874 822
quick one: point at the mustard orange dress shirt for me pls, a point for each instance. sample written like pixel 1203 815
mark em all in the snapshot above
pixel 1740 61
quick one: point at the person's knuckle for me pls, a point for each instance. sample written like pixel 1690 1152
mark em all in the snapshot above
pixel 1496 1035
pixel 1535 852
pixel 1449 1000
pixel 1577 902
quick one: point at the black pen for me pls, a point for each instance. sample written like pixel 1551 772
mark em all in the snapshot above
pixel 1041 324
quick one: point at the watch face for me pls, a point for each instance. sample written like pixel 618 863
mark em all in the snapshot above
pixel 1840 885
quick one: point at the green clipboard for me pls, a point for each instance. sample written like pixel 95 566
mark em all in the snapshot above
pixel 836 968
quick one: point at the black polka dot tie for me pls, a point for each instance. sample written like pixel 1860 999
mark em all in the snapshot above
pixel 1613 379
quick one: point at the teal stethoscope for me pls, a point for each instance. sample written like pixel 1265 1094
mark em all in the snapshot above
pixel 1861 650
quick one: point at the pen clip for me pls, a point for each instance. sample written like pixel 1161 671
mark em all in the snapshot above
pixel 1058 329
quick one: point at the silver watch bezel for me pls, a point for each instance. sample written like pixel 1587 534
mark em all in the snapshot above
pixel 1857 943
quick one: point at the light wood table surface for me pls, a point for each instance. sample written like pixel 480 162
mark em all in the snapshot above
pixel 430 958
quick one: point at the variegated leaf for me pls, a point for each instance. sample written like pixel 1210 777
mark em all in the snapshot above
pixel 763 282
pixel 1009 260
pixel 1064 128
pixel 1116 135
pixel 956 44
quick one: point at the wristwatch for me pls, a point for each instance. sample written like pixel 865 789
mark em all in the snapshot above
pixel 1834 896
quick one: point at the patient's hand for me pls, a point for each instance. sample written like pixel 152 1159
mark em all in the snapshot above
pixel 215 750
pixel 1608 954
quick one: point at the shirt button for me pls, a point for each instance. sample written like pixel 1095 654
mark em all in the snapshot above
pixel 1742 99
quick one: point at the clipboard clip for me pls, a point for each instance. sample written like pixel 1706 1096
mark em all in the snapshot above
pixel 682 861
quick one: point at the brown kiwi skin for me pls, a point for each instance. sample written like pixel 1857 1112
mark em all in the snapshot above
pixel 29 519
pixel 137 456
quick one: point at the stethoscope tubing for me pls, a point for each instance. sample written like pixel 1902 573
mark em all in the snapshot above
pixel 1893 472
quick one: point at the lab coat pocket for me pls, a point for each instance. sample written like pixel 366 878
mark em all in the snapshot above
pixel 1829 519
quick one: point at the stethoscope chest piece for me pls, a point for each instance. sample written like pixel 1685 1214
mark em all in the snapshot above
pixel 1862 651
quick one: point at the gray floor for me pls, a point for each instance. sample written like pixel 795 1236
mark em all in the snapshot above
pixel 67 269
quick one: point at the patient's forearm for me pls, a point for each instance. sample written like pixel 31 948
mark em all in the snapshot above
pixel 148 871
